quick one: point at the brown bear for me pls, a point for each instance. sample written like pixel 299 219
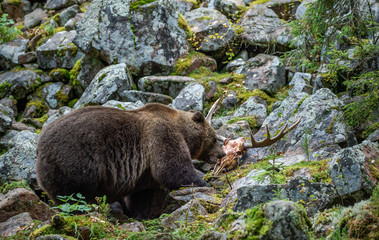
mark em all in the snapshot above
pixel 130 155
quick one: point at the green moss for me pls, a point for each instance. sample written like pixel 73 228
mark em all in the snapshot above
pixel 73 49
pixel 72 103
pixel 329 129
pixel 15 2
pixel 42 119
pixel 256 2
pixel 83 7
pixel 318 169
pixel 74 72
pixel 136 4
pixel 41 107
pixel 60 75
pixel 56 18
pixel 62 97
pixel 18 184
pixel 101 77
pixel 182 22
pixel 184 63
pixel 5 87
pixel 251 120
pixel 59 29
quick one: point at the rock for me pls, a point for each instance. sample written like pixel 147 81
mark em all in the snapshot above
pixel 29 57
pixel 6 117
pixel 300 83
pixel 231 66
pixel 321 125
pixel 198 193
pixel 263 28
pixel 221 121
pixel 19 162
pixel 207 24
pixel 53 237
pixel 20 83
pixel 230 101
pixel 68 14
pixel 144 97
pixel 21 137
pixel 252 108
pixel 21 200
pixel 186 213
pixel 374 137
pixel 230 8
pixel 14 224
pixel 71 23
pixel 56 114
pixel 263 72
pixel 146 37
pixel 89 67
pixel 58 4
pixel 301 9
pixel 211 91
pixel 353 171
pixel 4 141
pixel 107 85
pixel 275 220
pixel 168 85
pixel 15 9
pixel 315 196
pixel 190 98
pixel 57 94
pixel 303 173
pixel 10 51
pixel 194 61
pixel 34 18
pixel 317 83
pixel 133 227
pixel 289 220
pixel 184 6
pixel 235 130
pixel 59 51
pixel 123 105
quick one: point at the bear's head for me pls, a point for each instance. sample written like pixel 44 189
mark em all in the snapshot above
pixel 202 139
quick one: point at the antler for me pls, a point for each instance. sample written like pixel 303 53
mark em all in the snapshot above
pixel 268 141
pixel 212 111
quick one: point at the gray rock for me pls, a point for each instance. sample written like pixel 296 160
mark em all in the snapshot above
pixel 68 14
pixel 147 38
pixel 29 57
pixel 230 8
pixel 168 85
pixel 144 97
pixel 19 162
pixel 235 130
pixel 58 4
pixel 4 141
pixel 316 196
pixel 231 66
pixel 262 27
pixel 317 83
pixel 21 137
pixel 374 137
pixel 184 6
pixel 184 214
pixel 301 9
pixel 352 170
pixel 321 123
pixel 49 94
pixel 206 25
pixel 190 98
pixel 289 221
pixel 10 51
pixel 52 237
pixel 254 109
pixel 20 83
pixel 6 117
pixel 198 193
pixel 57 114
pixel 108 84
pixel 263 72
pixel 221 121
pixel 71 23
pixel 230 101
pixel 34 18
pixel 300 83
pixel 13 224
pixel 123 105
pixel 89 67
pixel 59 51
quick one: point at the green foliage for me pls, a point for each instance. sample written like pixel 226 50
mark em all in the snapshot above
pixel 73 204
pixel 251 120
pixel 5 87
pixel 8 31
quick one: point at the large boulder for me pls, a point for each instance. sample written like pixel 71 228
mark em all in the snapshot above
pixel 146 37
pixel 59 51
pixel 190 98
pixel 107 85
pixel 20 83
pixel 10 51
pixel 212 31
pixel 354 171
pixel 168 85
pixel 34 18
pixel 264 72
pixel 263 28
pixel 320 133
pixel 19 162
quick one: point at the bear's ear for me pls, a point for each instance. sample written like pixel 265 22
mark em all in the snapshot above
pixel 198 117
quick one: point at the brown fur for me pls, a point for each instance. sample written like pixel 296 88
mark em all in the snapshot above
pixel 100 151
